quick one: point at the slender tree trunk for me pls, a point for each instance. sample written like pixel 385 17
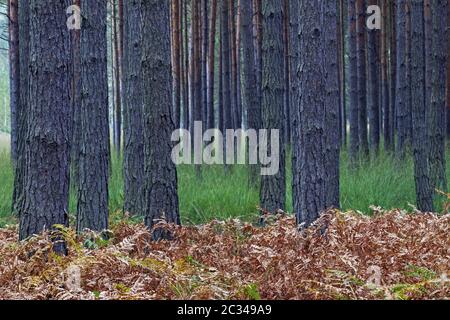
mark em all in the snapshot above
pixel 273 187
pixel 134 166
pixel 46 177
pixel 317 146
pixel 258 33
pixel 250 99
pixel 342 77
pixel 233 59
pixel 220 120
pixel 374 86
pixel 161 173
pixel 14 74
pixel 22 107
pixel 420 141
pixel 353 84
pixel 287 85
pixel 362 75
pixel 186 67
pixel 385 92
pixel 393 73
pixel 198 77
pixel 176 61
pixel 92 211
pixel 204 62
pixel 117 78
pixel 211 64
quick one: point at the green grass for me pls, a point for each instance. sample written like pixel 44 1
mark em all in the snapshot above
pixel 383 182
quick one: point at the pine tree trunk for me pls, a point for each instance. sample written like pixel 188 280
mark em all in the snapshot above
pixel 392 73
pixel 318 44
pixel 204 62
pixel 92 210
pixel 14 74
pixel 420 141
pixel 211 64
pixel 134 170
pixel 385 93
pixel 161 173
pixel 176 65
pixel 187 95
pixel 342 76
pixel 273 187
pixel 46 177
pixel 353 84
pixel 287 85
pixel 22 107
pixel 249 88
pixel 374 86
pixel 117 80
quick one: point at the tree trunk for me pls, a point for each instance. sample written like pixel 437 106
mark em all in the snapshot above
pixel 14 74
pixel 176 65
pixel 353 84
pixel 47 174
pixel 117 80
pixel 420 141
pixel 134 170
pixel 362 76
pixel 211 64
pixel 385 93
pixel 161 173
pixel 374 86
pixel 312 193
pixel 92 211
pixel 393 73
pixel 273 187
pixel 187 95
pixel 22 107
pixel 250 99
pixel 233 59
pixel 204 62
pixel 287 85
pixel 342 76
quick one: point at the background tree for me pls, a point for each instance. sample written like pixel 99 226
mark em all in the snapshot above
pixel 273 188
pixel 353 84
pixel 14 73
pixel 161 174
pixel 47 167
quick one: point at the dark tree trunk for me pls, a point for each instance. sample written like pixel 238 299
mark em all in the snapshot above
pixel 226 71
pixel 211 65
pixel 134 178
pixel 362 76
pixel 176 65
pixel 14 74
pixel 374 86
pixel 220 121
pixel 204 62
pixel 287 85
pixel 273 187
pixel 92 211
pixel 392 73
pixel 342 76
pixel 318 75
pixel 186 68
pixel 161 173
pixel 47 173
pixel 249 88
pixel 22 107
pixel 420 141
pixel 233 59
pixel 385 92
pixel 117 80
pixel 198 113
pixel 353 84
pixel 401 107
pixel 436 55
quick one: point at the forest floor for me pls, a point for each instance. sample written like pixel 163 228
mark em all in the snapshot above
pixel 391 255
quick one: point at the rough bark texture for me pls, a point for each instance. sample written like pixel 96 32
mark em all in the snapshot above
pixel 317 25
pixel 437 54
pixel 362 76
pixel 374 85
pixel 117 81
pixel 92 210
pixel 161 174
pixel 134 169
pixel 273 188
pixel 47 173
pixel 14 74
pixel 424 191
pixel 22 107
pixel 249 88
pixel 353 84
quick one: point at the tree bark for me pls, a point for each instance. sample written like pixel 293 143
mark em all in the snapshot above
pixel 273 188
pixel 211 64
pixel 374 86
pixel 92 210
pixel 385 93
pixel 318 75
pixel 47 174
pixel 134 169
pixel 117 80
pixel 161 173
pixel 14 74
pixel 420 141
pixel 353 84
pixel 176 65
